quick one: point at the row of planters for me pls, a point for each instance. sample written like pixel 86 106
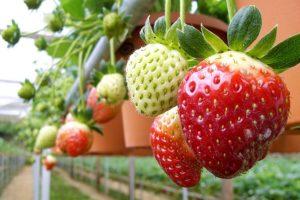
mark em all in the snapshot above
pixel 265 181
pixel 221 114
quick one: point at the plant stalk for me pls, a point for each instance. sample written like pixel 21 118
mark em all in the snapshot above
pixel 182 13
pixel 81 80
pixel 168 13
pixel 231 7
pixel 112 51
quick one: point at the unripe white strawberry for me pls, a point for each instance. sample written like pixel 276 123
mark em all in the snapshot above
pixel 46 137
pixel 112 88
pixel 153 74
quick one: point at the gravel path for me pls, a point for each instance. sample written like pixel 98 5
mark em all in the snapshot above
pixel 20 187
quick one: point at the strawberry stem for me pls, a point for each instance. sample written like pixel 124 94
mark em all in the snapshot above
pixel 168 13
pixel 112 51
pixel 81 80
pixel 182 13
pixel 231 7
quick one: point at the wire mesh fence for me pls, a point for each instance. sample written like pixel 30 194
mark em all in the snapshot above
pixel 9 167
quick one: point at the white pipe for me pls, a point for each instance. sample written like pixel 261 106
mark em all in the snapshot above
pixel 36 177
pixel 131 177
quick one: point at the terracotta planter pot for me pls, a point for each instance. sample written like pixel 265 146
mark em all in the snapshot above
pixel 287 142
pixel 112 140
pixel 136 127
pixel 134 42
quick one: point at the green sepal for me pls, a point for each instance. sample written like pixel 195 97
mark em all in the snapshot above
pixel 97 128
pixel 264 45
pixel 192 63
pixel 171 34
pixel 217 43
pixel 160 27
pixel 193 43
pixel 244 28
pixel 149 34
pixel 142 34
pixel 284 55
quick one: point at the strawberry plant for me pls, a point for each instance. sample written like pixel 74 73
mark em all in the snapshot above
pixel 233 105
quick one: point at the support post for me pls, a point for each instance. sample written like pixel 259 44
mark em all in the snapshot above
pixel 46 180
pixel 131 177
pixel 185 194
pixel 227 189
pixel 106 175
pixel 36 177
pixel 97 172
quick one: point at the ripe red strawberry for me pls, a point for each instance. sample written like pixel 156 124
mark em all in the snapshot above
pixel 49 162
pixel 231 112
pixel 102 111
pixel 74 138
pixel 233 105
pixel 171 150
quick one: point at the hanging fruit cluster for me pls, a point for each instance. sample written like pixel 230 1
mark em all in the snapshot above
pixel 231 106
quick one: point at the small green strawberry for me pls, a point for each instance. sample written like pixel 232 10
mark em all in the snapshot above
pixel 112 88
pixel 46 137
pixel 113 25
pixel 33 4
pixel 27 90
pixel 41 107
pixel 41 43
pixel 12 34
pixel 154 72
pixel 56 21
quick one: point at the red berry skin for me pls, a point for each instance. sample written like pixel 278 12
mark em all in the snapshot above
pixel 230 118
pixel 102 112
pixel 171 151
pixel 49 165
pixel 74 138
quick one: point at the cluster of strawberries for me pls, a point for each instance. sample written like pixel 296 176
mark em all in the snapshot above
pixel 223 113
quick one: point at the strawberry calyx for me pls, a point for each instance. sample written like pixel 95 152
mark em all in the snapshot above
pixel 85 116
pixel 160 34
pixel 242 31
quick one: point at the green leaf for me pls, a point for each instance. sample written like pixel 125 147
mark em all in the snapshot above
pixel 264 45
pixel 74 7
pixel 244 28
pixel 171 34
pixel 160 27
pixel 284 55
pixel 217 43
pixel 95 6
pixel 97 128
pixel 193 43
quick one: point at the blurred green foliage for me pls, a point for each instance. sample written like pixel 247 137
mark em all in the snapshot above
pixel 216 8
pixel 60 189
pixel 10 148
pixel 275 178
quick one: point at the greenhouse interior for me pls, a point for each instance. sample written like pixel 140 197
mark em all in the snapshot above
pixel 150 100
